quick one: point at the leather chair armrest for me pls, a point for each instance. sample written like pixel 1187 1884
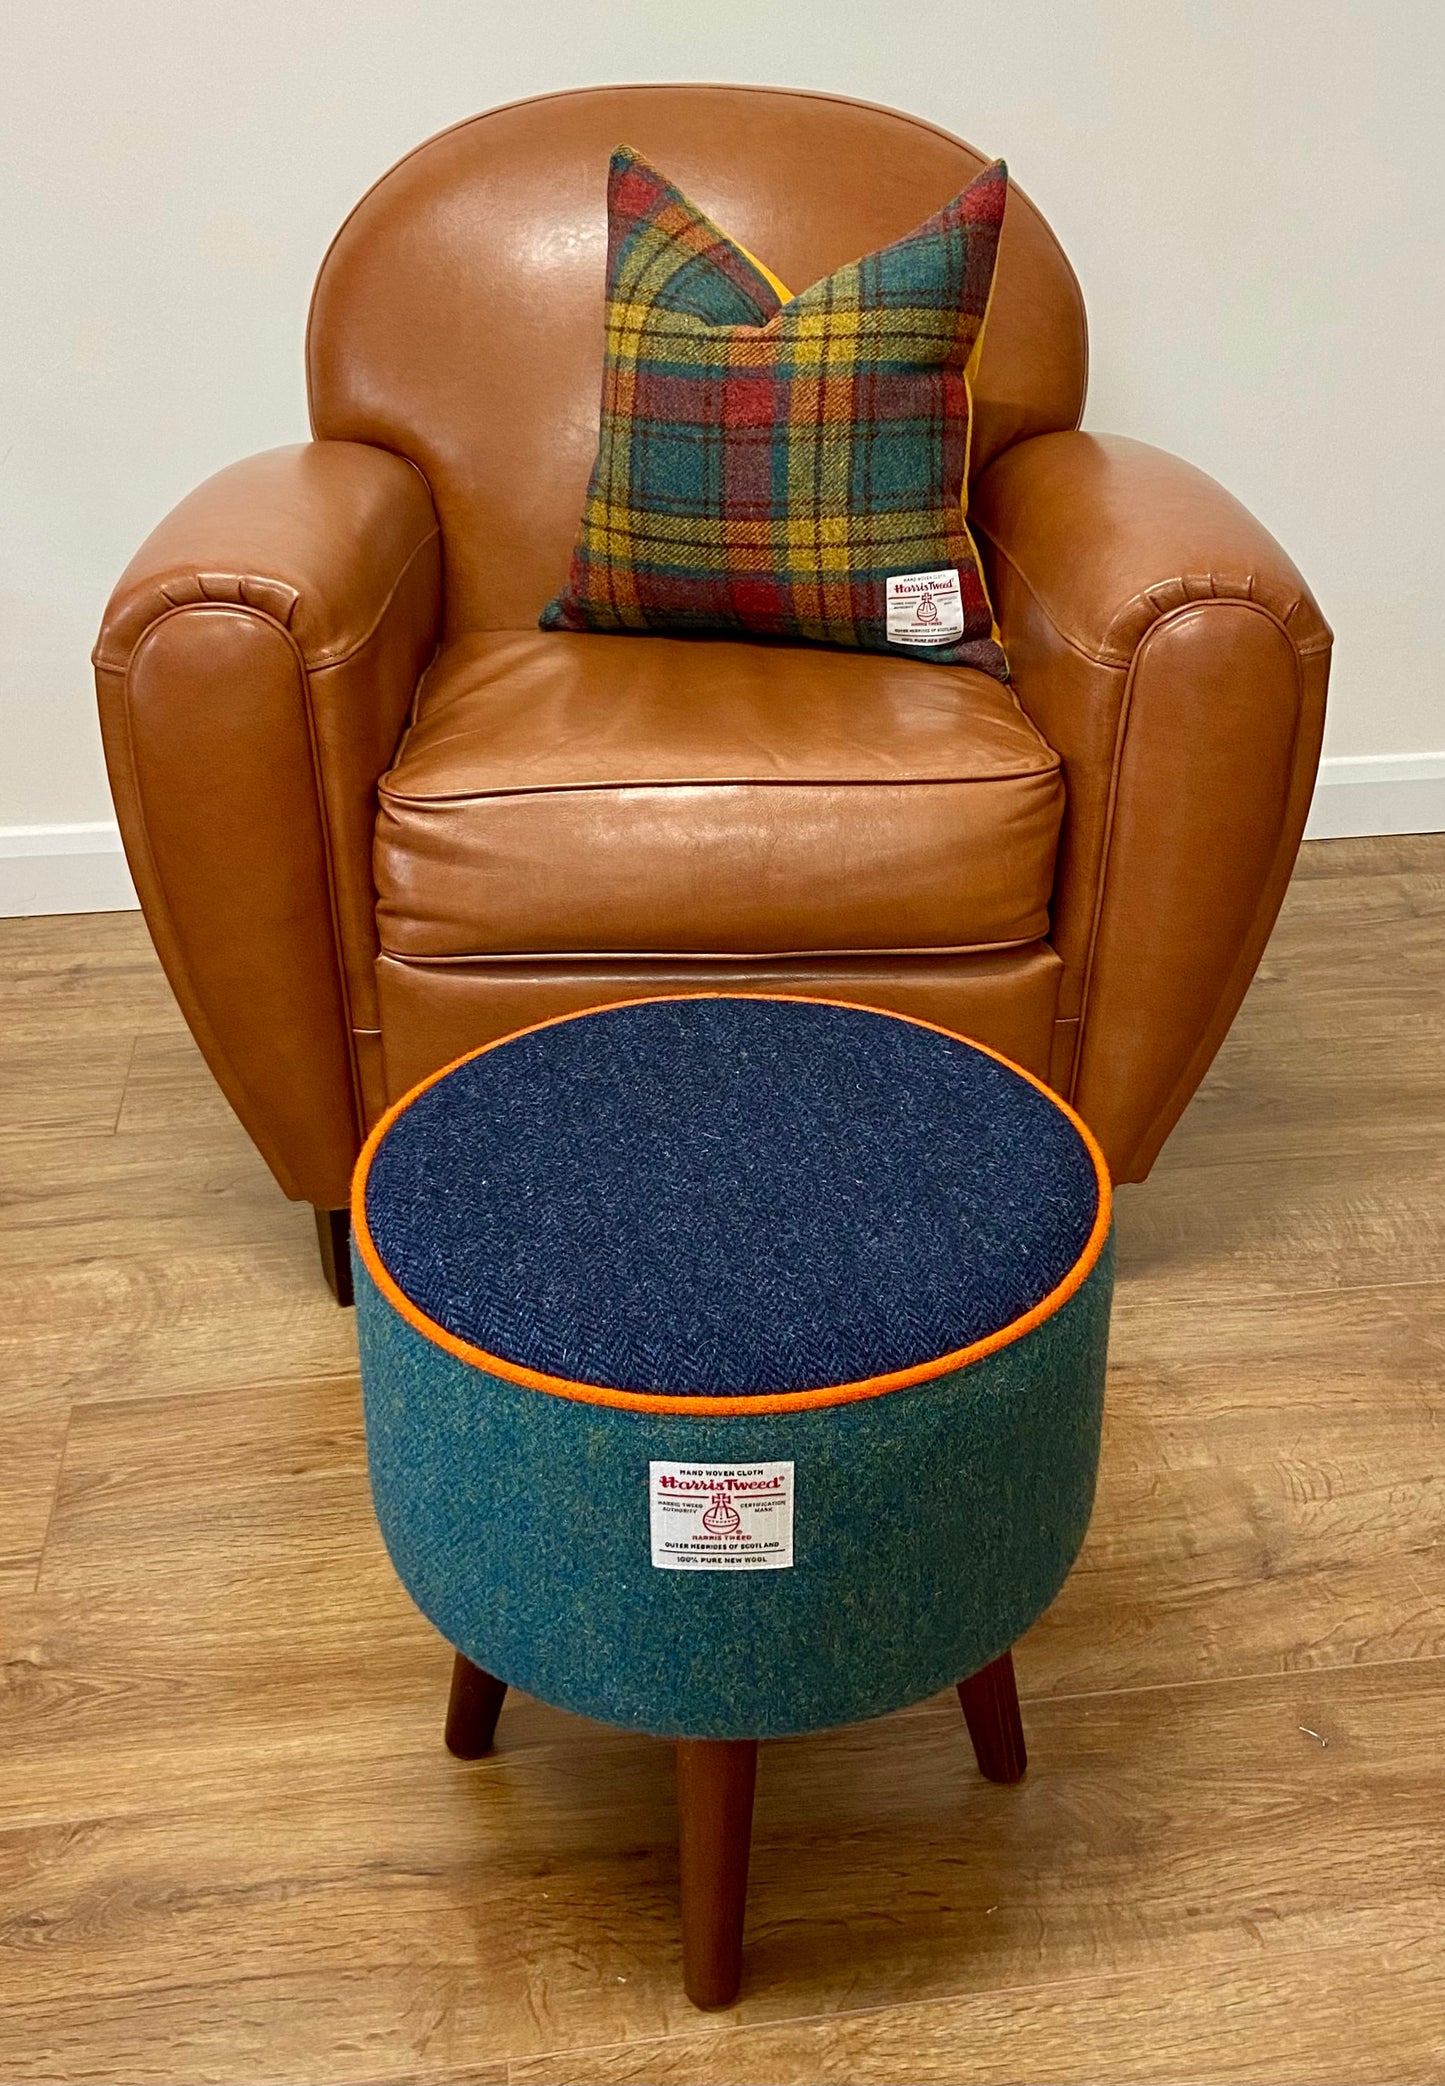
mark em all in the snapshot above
pixel 1171 653
pixel 255 669
pixel 317 536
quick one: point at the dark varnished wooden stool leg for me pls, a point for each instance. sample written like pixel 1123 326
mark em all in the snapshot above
pixel 991 1710
pixel 715 1781
pixel 472 1710
pixel 333 1236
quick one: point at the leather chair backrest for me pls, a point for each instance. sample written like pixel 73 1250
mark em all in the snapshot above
pixel 457 318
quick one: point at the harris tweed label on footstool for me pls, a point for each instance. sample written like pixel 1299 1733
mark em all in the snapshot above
pixel 721 1517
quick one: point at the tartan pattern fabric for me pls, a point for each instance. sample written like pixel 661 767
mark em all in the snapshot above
pixel 765 466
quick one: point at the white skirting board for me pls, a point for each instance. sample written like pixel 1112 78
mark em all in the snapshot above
pixel 80 869
pixel 1378 793
pixel 63 869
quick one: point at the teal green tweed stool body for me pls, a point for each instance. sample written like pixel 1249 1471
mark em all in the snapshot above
pixel 732 1367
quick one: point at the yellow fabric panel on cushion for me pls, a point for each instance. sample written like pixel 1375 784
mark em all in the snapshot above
pixel 779 288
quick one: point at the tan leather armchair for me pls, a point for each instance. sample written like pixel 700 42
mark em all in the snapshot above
pixel 375 817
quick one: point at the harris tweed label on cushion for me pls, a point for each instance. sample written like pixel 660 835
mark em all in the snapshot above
pixel 776 467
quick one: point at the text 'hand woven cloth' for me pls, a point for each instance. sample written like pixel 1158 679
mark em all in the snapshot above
pixel 787 467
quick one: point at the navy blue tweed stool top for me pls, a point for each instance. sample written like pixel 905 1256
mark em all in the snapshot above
pixel 718 1236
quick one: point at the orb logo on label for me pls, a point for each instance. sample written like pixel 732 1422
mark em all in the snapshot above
pixel 721 1519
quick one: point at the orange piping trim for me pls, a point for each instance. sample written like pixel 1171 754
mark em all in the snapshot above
pixel 726 1408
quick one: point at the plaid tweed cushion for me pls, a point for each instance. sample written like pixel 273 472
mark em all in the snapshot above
pixel 787 467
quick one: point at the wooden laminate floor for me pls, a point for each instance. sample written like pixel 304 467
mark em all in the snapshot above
pixel 232 1847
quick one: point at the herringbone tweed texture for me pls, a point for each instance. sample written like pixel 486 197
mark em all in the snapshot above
pixel 723 1196
pixel 766 466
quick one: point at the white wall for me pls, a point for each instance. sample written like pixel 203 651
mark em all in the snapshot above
pixel 1252 192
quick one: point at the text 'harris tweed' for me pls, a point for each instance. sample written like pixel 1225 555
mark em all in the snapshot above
pixel 768 464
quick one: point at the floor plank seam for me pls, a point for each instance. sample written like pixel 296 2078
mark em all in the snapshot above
pixel 727 2029
pixel 54 1495
pixel 1237 1300
pixel 307 1379
pixel 1232 1680
pixel 1431 1600
pixel 125 1083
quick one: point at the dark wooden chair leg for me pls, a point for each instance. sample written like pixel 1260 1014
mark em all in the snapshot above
pixel 333 1236
pixel 991 1710
pixel 715 1781
pixel 473 1707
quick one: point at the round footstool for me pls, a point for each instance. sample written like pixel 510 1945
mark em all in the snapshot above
pixel 732 1367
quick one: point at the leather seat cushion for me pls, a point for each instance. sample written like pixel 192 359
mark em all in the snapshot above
pixel 564 794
